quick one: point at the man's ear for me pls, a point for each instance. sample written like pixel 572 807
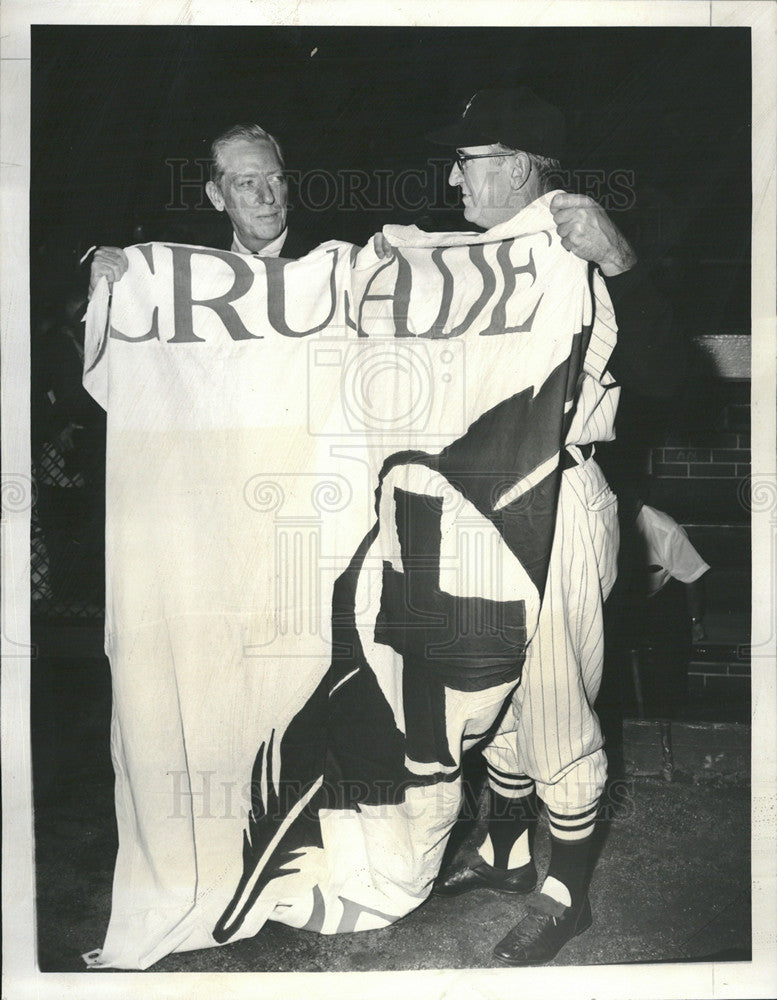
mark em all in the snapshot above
pixel 213 191
pixel 520 170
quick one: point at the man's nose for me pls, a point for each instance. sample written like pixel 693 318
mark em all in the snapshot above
pixel 264 193
pixel 455 176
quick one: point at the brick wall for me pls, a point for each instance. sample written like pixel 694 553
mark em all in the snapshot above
pixel 721 451
pixel 708 455
pixel 722 680
pixel 701 477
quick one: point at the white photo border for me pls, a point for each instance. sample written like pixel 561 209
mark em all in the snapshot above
pixel 683 981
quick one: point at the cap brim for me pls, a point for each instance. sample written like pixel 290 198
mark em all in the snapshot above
pixel 461 134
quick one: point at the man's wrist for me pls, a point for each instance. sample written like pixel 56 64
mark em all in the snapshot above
pixel 623 259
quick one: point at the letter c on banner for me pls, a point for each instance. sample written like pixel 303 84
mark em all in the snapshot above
pixel 153 334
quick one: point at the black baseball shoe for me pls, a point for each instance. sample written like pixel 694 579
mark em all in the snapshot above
pixel 455 880
pixel 543 932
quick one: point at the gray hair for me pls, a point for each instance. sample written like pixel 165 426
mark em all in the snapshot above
pixel 249 133
pixel 549 172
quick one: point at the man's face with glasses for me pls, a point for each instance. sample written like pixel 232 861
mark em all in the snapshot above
pixel 483 174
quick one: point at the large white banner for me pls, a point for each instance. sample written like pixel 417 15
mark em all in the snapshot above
pixel 331 494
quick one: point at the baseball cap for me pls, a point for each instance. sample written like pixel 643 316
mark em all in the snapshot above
pixel 517 118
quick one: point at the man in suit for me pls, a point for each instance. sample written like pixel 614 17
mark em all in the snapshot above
pixel 248 182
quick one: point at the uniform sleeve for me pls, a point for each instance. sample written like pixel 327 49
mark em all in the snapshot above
pixel 681 559
pixel 652 355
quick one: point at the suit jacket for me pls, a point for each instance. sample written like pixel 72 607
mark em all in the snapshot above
pixel 297 244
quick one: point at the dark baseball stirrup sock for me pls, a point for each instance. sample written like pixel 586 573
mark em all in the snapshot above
pixel 511 825
pixel 569 864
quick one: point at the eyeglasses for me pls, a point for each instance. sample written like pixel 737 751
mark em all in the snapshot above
pixel 463 158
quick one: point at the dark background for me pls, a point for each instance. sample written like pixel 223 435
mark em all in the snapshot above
pixel 122 115
pixel 112 106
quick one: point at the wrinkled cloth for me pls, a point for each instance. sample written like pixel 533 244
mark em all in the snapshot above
pixel 331 497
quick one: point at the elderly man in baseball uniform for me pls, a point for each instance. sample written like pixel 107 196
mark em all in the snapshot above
pixel 508 148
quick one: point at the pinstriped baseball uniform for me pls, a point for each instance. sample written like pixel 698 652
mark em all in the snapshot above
pixel 551 733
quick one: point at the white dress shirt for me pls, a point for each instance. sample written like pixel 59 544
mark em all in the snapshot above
pixel 273 249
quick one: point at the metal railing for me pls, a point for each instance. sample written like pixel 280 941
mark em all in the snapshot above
pixel 67 554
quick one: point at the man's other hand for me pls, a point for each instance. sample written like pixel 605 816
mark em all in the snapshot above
pixel 382 247
pixel 587 231
pixel 108 262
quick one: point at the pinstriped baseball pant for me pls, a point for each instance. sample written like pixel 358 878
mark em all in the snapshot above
pixel 550 731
